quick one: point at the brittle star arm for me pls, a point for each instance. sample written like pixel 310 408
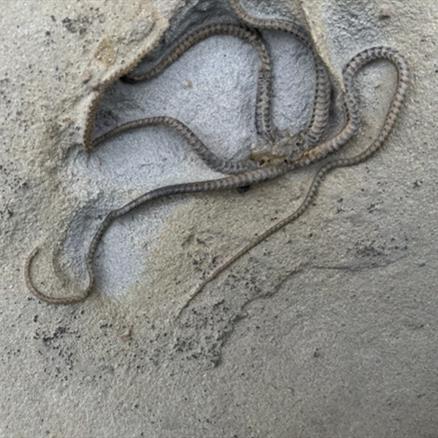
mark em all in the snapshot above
pixel 250 177
pixel 317 124
pixel 358 62
pixel 251 36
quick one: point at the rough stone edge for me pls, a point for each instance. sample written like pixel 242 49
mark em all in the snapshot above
pixel 159 27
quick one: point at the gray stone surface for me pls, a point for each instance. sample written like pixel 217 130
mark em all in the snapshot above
pixel 328 329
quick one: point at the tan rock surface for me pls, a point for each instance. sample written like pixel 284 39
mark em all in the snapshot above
pixel 328 329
